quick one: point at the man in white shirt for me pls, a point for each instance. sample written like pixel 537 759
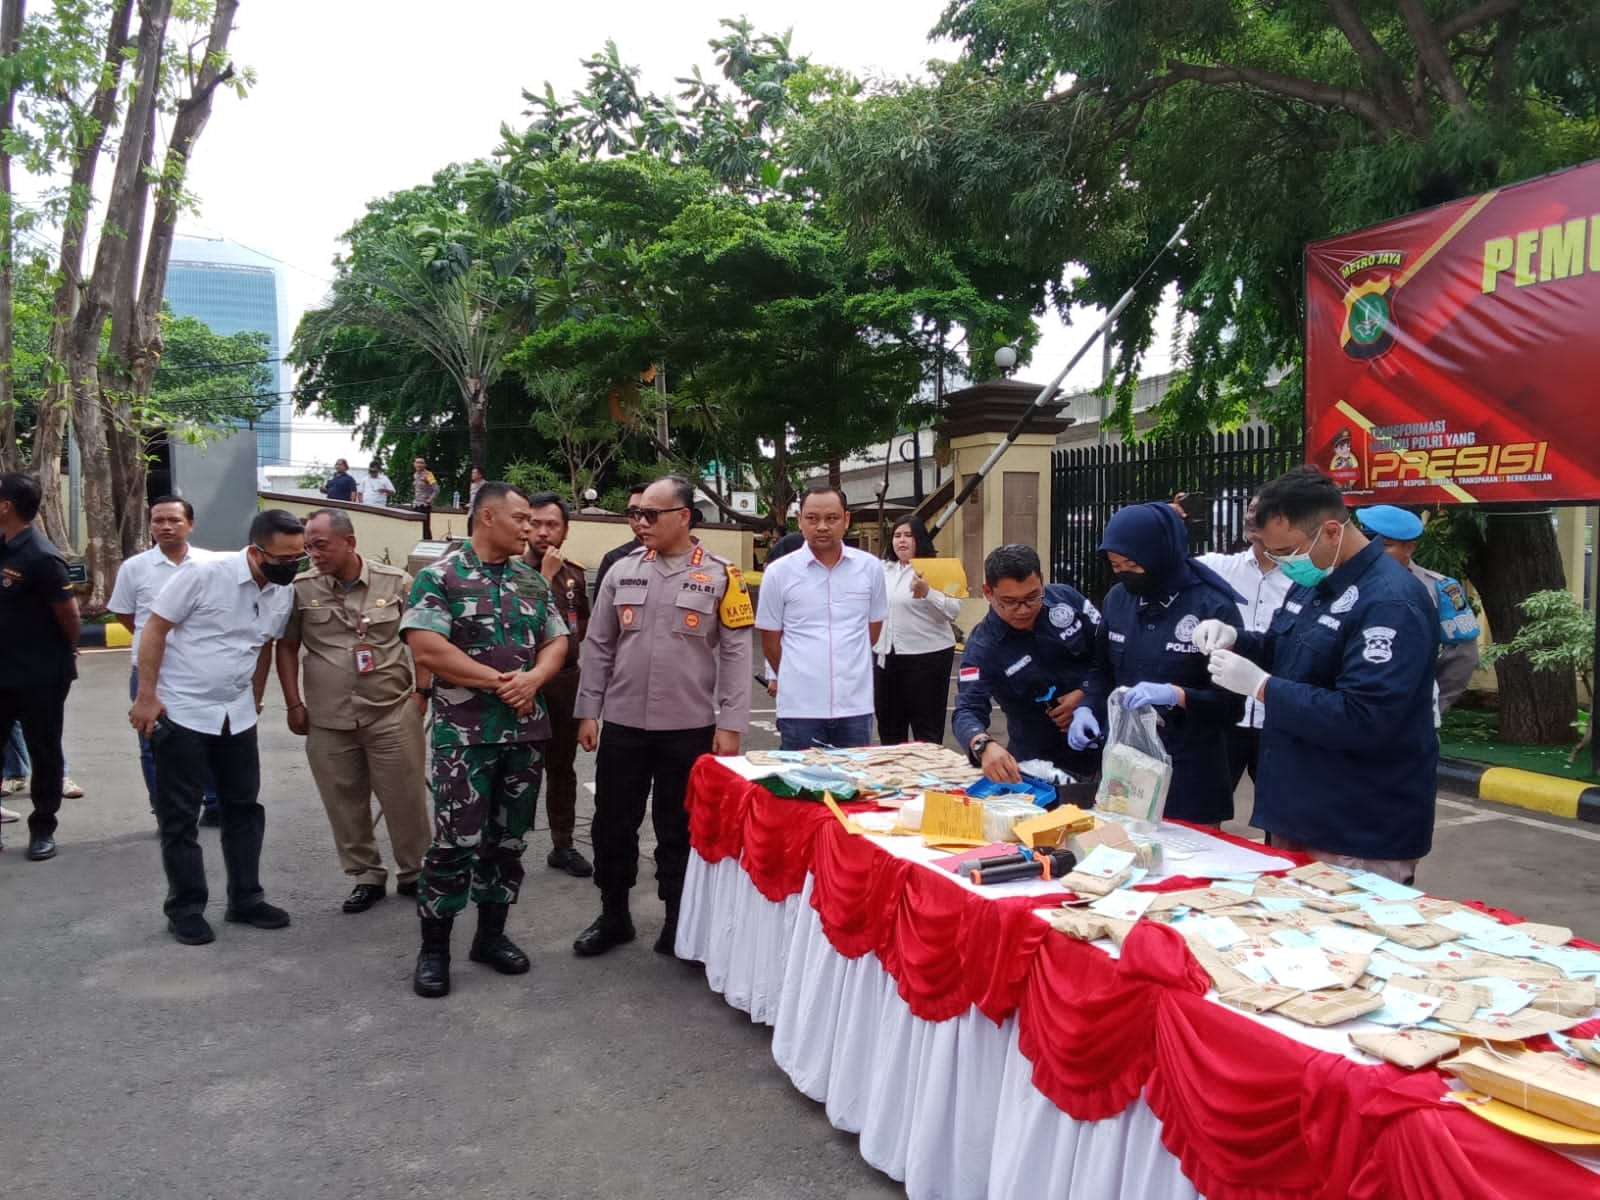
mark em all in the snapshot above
pixel 139 581
pixel 374 487
pixel 203 661
pixel 821 610
pixel 1257 578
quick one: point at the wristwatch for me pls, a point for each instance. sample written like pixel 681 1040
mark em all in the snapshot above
pixel 978 746
pixel 425 692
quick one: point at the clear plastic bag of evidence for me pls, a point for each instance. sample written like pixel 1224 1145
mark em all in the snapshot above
pixel 1135 768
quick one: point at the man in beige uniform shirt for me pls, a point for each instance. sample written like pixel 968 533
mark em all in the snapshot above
pixel 361 712
pixel 667 664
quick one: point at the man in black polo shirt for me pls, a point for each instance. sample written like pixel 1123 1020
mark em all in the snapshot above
pixel 38 642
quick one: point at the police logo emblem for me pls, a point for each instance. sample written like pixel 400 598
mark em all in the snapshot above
pixel 691 620
pixel 700 577
pixel 1380 644
pixel 1347 601
pixel 1062 615
pixel 1186 627
pixel 627 615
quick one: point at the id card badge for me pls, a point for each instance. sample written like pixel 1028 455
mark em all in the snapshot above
pixel 366 659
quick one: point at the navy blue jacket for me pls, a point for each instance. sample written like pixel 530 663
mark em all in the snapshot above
pixel 1145 639
pixel 1349 758
pixel 1014 668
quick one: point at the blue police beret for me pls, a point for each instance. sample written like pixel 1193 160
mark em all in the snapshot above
pixel 1386 520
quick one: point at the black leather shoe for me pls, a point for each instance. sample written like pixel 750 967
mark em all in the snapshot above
pixel 210 818
pixel 667 941
pixel 363 896
pixel 408 888
pixel 611 928
pixel 41 848
pixel 566 858
pixel 260 915
pixel 432 976
pixel 491 945
pixel 191 929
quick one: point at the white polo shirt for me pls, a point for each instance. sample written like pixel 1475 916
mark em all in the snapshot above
pixel 370 489
pixel 823 613
pixel 220 619
pixel 140 580
pixel 1263 593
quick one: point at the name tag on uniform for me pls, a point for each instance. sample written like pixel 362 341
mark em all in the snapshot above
pixel 366 659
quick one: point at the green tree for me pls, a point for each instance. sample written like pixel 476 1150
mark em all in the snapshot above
pixel 446 271
pixel 1075 133
pixel 68 76
pixel 207 379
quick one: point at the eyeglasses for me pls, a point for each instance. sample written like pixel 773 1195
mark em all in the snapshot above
pixel 282 560
pixel 1018 603
pixel 651 515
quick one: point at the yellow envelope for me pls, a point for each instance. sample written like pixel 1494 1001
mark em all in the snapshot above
pixel 952 820
pixel 1522 1122
pixel 945 575
pixel 850 826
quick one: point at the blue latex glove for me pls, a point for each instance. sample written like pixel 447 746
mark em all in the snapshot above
pixel 1144 695
pixel 1084 728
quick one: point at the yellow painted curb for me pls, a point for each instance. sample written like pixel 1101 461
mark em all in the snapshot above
pixel 1529 789
pixel 117 637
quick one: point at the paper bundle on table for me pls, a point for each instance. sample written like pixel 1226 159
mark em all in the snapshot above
pixel 1551 1085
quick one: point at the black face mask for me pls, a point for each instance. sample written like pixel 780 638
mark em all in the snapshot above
pixel 280 573
pixel 1139 583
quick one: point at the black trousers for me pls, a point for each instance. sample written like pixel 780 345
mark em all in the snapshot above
pixel 560 758
pixel 1244 750
pixel 182 758
pixel 41 711
pixel 629 765
pixel 912 692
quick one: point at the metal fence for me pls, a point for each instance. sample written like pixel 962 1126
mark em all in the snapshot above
pixel 1089 483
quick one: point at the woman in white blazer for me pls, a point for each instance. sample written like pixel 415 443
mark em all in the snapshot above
pixel 915 651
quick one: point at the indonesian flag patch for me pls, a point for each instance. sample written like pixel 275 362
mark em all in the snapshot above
pixel 967 675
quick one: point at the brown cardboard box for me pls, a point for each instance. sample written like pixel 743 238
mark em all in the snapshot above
pixel 1050 830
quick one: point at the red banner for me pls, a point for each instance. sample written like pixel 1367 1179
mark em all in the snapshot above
pixel 1453 355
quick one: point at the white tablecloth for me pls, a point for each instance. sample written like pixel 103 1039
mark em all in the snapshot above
pixel 947 1107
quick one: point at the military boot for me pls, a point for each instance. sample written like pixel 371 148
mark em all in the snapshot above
pixel 432 976
pixel 611 928
pixel 668 941
pixel 491 945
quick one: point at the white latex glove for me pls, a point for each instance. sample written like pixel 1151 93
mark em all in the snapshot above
pixel 1212 634
pixel 1236 673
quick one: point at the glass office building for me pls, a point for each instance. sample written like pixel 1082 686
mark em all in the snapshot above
pixel 234 290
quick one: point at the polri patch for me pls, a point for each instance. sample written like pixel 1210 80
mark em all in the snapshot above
pixel 1380 643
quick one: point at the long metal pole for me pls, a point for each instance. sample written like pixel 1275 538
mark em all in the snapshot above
pixel 1046 396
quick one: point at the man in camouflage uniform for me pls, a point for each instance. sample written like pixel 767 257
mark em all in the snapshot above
pixel 481 621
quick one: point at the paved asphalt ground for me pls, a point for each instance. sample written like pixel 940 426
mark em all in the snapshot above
pixel 297 1063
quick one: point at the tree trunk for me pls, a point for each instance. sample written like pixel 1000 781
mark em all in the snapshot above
pixel 103 545
pixel 1517 557
pixel 10 455
pixel 478 425
pixel 50 430
pixel 136 312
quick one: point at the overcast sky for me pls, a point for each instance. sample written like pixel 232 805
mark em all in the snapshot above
pixel 358 98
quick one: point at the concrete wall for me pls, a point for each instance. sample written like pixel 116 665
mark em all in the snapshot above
pixel 391 534
pixel 218 477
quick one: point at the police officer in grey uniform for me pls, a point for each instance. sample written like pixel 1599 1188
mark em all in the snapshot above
pixel 667 664
pixel 1400 530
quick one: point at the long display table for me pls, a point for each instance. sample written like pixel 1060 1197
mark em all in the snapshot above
pixel 978 1053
